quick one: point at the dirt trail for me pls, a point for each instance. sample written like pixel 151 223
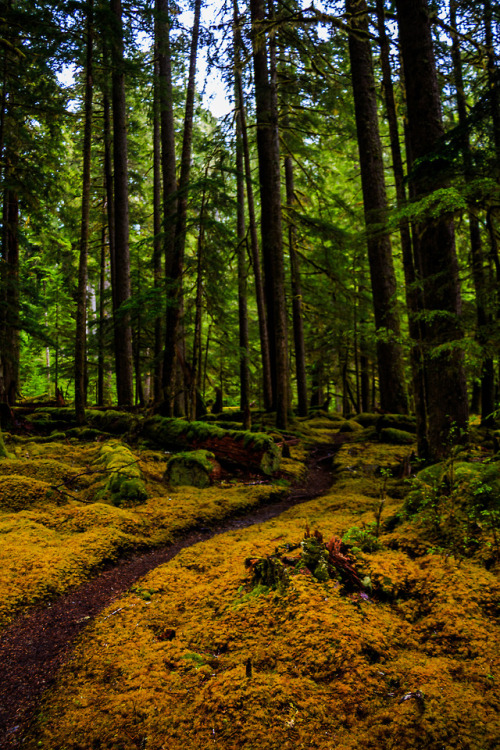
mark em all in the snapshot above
pixel 33 647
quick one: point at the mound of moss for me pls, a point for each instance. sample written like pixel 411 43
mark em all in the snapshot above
pixel 193 468
pixel 125 486
pixel 20 492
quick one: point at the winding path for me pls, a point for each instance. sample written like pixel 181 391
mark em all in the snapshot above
pixel 33 647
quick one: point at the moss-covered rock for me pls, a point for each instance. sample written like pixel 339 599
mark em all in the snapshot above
pixel 125 486
pixel 192 468
pixel 350 425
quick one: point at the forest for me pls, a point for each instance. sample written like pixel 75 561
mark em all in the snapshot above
pixel 249 374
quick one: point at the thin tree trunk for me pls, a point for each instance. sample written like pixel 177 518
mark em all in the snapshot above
pixel 392 388
pixel 9 330
pixel 108 180
pixel 242 270
pixel 123 330
pixel 174 280
pixel 271 223
pixel 157 226
pixel 81 308
pixel 446 392
pixel 101 357
pixel 483 319
pixel 297 307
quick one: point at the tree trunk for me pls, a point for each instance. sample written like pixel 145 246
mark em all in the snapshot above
pixel 174 279
pixel 252 226
pixel 271 227
pixel 392 388
pixel 9 284
pixel 81 308
pixel 483 318
pixel 157 242
pixel 123 330
pixel 241 234
pixel 413 297
pixel 446 392
pixel 297 314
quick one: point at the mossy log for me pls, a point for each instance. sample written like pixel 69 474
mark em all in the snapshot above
pixel 192 468
pixel 254 450
pixel 396 437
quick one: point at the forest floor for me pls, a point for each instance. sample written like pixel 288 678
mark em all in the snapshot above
pixel 355 610
pixel 36 644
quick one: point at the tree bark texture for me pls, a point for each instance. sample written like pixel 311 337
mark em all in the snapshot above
pixel 81 305
pixel 123 330
pixel 271 218
pixel 478 274
pixel 267 391
pixel 446 395
pixel 393 396
pixel 175 271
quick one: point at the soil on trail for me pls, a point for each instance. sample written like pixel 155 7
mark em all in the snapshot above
pixel 33 647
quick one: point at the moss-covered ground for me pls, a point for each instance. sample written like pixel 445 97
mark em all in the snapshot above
pixel 61 520
pixel 200 655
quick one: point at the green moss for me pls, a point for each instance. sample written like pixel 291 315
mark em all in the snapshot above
pixel 125 486
pixel 190 468
pixel 3 449
pixel 350 425
pixel 396 437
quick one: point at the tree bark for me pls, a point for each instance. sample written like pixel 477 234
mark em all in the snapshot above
pixel 297 311
pixel 81 308
pixel 174 277
pixel 271 220
pixel 413 298
pixel 483 318
pixel 434 240
pixel 123 330
pixel 392 386
pixel 157 225
pixel 252 227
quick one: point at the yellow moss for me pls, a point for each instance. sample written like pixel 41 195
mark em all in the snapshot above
pixel 19 492
pixel 192 657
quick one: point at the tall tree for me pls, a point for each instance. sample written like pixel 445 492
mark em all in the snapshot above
pixel 267 390
pixel 175 270
pixel 446 394
pixel 479 277
pixel 81 310
pixel 123 329
pixel 271 214
pixel 383 280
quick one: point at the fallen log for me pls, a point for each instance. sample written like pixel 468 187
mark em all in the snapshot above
pixel 254 450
